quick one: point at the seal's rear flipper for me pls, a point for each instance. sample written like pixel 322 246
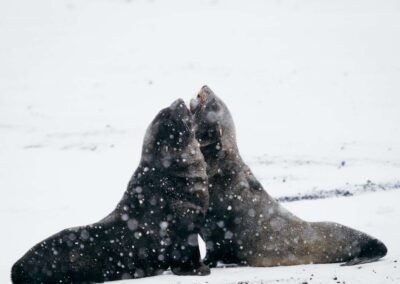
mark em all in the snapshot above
pixel 370 252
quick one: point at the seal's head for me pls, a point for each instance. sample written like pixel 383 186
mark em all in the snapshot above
pixel 170 141
pixel 213 121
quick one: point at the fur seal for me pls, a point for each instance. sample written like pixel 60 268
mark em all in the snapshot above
pixel 154 226
pixel 244 224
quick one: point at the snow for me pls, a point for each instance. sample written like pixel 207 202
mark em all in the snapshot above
pixel 310 84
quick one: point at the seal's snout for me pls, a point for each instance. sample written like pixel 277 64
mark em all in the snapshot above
pixel 180 107
pixel 179 103
pixel 206 89
pixel 180 111
pixel 201 98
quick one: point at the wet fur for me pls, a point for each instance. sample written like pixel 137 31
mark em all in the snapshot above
pixel 244 224
pixel 153 227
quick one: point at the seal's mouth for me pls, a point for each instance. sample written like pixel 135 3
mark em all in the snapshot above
pixel 180 108
pixel 184 114
pixel 179 103
pixel 201 99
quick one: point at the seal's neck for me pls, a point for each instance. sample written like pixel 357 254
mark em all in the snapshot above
pixel 222 157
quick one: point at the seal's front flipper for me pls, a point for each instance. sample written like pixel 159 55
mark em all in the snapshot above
pixel 370 252
pixel 185 256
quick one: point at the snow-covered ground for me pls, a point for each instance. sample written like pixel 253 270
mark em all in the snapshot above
pixel 314 87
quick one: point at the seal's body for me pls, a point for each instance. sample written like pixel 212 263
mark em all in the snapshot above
pixel 153 227
pixel 244 224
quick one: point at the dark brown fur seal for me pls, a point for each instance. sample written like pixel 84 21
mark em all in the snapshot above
pixel 244 224
pixel 154 226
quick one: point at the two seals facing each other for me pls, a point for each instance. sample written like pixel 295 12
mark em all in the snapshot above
pixel 244 224
pixel 168 202
pixel 154 227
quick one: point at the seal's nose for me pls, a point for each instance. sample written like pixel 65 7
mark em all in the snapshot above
pixel 204 88
pixel 179 103
pixel 180 109
pixel 201 98
pixel 204 93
